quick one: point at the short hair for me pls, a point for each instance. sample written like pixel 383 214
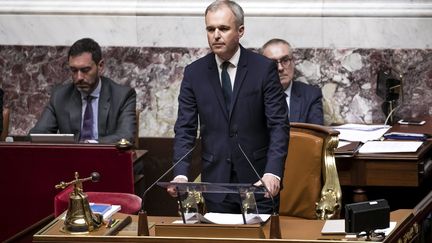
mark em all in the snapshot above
pixel 275 41
pixel 86 45
pixel 233 6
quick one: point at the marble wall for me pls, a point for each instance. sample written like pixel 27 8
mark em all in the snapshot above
pixel 339 46
pixel 346 76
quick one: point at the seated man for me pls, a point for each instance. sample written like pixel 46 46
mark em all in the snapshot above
pixel 93 107
pixel 304 101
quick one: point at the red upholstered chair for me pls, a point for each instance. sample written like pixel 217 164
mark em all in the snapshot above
pixel 130 203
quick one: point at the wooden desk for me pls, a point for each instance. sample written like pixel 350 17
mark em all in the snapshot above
pixel 409 170
pixel 396 169
pixel 30 171
pixel 293 230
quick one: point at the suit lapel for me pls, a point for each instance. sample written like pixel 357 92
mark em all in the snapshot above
pixel 213 76
pixel 240 77
pixel 295 104
pixel 104 106
pixel 75 112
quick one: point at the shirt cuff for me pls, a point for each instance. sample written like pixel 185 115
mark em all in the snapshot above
pixel 181 177
pixel 277 177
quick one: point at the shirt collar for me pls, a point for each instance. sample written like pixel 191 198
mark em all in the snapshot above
pixel 288 90
pixel 96 91
pixel 233 60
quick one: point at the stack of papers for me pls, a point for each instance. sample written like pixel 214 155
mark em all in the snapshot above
pixel 106 210
pixel 390 147
pixel 361 132
pixel 224 218
pixel 405 136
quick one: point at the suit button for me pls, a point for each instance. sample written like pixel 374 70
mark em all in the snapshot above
pixel 228 161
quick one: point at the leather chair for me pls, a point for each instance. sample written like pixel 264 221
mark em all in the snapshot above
pixel 130 203
pixel 311 186
pixel 6 117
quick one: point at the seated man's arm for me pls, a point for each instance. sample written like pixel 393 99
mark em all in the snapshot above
pixel 316 114
pixel 126 121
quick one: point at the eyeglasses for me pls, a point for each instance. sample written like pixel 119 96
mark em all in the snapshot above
pixel 285 61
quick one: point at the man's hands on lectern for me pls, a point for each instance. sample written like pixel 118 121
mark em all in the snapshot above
pixel 272 183
pixel 172 189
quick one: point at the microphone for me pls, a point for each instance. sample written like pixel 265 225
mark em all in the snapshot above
pixel 259 177
pixel 142 219
pixel 275 232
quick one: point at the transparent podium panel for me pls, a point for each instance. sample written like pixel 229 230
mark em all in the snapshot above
pixel 190 195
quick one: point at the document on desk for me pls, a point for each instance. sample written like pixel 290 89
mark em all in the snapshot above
pixel 337 226
pixel 361 132
pixel 390 147
pixel 224 218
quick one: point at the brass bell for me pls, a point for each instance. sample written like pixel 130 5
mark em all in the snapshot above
pixel 79 217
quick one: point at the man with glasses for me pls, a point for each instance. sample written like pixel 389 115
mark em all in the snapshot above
pixel 93 107
pixel 304 101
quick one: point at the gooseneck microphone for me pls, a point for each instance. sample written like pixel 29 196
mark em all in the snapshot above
pixel 142 219
pixel 275 231
pixel 259 177
pixel 164 174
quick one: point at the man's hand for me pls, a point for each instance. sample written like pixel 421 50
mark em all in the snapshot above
pixel 172 189
pixel 272 183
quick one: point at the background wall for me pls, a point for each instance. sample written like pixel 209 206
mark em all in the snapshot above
pixel 340 46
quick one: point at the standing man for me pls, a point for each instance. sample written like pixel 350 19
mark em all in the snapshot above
pixel 304 101
pixel 236 97
pixel 92 106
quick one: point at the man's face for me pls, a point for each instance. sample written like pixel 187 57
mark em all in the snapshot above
pixel 281 54
pixel 222 33
pixel 85 72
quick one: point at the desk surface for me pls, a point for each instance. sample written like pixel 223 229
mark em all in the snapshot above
pixel 389 169
pixel 293 230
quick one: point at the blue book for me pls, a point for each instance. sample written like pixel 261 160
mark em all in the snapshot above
pixel 100 208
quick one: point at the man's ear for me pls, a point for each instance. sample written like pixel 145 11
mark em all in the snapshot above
pixel 241 30
pixel 101 66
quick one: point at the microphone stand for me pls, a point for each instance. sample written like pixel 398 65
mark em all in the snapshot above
pixel 142 215
pixel 275 231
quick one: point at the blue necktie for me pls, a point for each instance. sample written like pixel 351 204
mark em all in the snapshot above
pixel 87 129
pixel 226 85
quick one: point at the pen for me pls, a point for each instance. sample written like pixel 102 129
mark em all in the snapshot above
pixel 119 226
pixel 114 223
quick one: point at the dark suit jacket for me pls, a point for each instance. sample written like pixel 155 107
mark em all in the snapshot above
pixel 116 112
pixel 258 120
pixel 306 104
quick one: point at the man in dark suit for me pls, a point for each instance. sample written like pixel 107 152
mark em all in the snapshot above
pixel 92 106
pixel 236 97
pixel 304 101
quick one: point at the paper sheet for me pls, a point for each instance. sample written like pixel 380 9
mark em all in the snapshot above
pixel 361 132
pixel 337 226
pixel 224 218
pixel 390 147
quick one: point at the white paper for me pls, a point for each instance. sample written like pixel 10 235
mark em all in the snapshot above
pixel 390 147
pixel 361 132
pixel 337 226
pixel 224 218
pixel 342 143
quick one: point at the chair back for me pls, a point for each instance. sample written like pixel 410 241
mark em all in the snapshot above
pixel 311 186
pixel 6 117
